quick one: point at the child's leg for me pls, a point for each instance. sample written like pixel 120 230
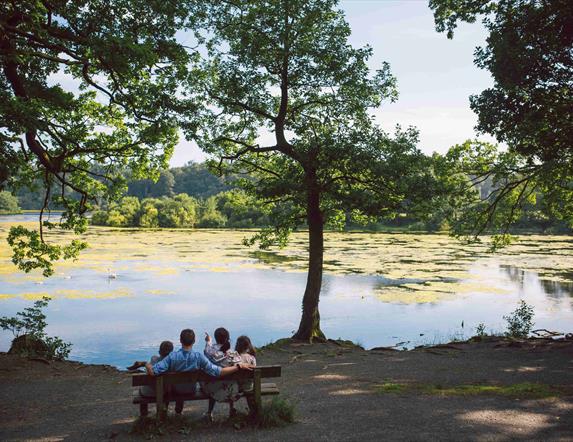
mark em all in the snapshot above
pixel 211 405
pixel 251 404
pixel 232 411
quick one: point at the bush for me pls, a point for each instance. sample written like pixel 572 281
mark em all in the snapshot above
pixel 176 213
pixel 480 330
pixel 210 215
pixel 99 218
pixel 241 209
pixel 30 338
pixel 520 321
pixel 279 412
pixel 8 203
pixel 148 214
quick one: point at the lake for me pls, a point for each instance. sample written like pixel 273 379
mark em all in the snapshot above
pixel 134 288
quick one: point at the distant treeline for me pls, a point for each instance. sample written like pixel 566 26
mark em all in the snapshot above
pixel 232 208
pixel 192 196
pixel 194 179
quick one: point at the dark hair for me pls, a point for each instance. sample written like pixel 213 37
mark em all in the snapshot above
pixel 223 338
pixel 187 337
pixel 165 348
pixel 243 345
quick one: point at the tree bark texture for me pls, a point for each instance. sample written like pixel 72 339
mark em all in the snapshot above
pixel 309 327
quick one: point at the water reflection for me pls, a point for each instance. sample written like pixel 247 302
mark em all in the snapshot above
pixel 53 216
pixel 553 289
pixel 379 289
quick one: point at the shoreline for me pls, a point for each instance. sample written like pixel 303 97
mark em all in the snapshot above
pixel 278 345
pixel 381 229
pixel 522 390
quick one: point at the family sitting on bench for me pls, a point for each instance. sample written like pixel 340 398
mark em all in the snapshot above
pixel 217 360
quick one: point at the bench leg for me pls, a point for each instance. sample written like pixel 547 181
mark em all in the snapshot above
pixel 178 406
pixel 159 399
pixel 258 403
pixel 143 410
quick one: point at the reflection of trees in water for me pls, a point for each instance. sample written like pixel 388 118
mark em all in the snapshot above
pixel 559 289
pixel 552 289
pixel 514 273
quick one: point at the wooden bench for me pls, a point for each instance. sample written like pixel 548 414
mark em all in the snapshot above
pixel 164 387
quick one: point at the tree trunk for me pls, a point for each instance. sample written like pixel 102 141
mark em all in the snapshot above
pixel 309 327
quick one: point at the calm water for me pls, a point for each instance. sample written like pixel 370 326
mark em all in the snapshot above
pixel 133 288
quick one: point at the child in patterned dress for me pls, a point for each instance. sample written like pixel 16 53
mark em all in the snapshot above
pixel 221 354
pixel 247 353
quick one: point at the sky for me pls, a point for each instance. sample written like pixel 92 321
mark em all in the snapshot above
pixel 435 75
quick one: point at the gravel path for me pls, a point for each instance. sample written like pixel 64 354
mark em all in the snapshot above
pixel 335 391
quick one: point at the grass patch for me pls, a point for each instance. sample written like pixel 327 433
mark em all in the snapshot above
pixel 278 344
pixel 346 343
pixel 276 413
pixel 150 427
pixel 524 390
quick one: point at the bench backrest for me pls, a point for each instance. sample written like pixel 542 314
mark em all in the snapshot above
pixel 171 378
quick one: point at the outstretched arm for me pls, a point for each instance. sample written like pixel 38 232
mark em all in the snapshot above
pixel 235 368
pixel 158 368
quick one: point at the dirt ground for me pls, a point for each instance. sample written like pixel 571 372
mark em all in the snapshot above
pixel 336 390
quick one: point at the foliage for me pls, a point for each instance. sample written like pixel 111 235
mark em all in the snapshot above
pixel 480 330
pixel 32 322
pixel 529 107
pixel 8 203
pixel 277 413
pixel 195 179
pixel 210 215
pixel 520 321
pixel 286 68
pixel 30 252
pixel 148 188
pixel 87 91
pixel 470 212
pixel 232 208
pixel 242 209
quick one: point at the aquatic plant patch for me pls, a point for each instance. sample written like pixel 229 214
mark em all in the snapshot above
pixel 436 267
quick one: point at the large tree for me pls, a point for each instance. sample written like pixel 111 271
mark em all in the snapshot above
pixel 87 89
pixel 289 103
pixel 529 53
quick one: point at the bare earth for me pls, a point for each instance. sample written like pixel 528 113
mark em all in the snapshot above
pixel 335 391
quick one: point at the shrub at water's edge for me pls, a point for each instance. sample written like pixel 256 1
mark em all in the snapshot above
pixel 9 204
pixel 30 338
pixel 231 208
pixel 520 321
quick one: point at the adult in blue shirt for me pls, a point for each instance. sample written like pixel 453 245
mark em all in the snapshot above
pixel 186 359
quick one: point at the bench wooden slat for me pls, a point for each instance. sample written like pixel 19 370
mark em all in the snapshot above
pixel 267 371
pixel 267 389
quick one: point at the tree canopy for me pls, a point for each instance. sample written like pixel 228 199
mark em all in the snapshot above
pixel 87 88
pixel 529 53
pixel 288 103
